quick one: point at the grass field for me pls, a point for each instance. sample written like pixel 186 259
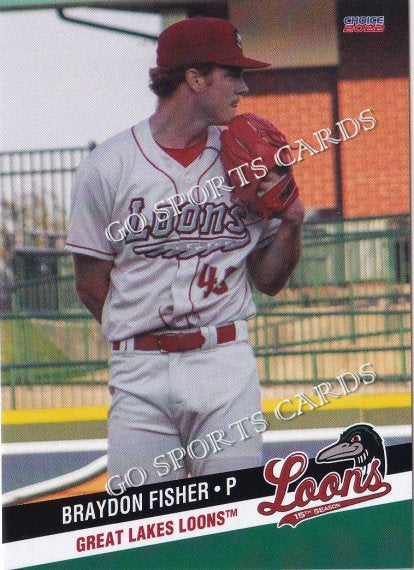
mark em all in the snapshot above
pixel 24 342
pixel 308 336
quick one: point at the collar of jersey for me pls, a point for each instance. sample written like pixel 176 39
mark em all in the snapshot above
pixel 155 154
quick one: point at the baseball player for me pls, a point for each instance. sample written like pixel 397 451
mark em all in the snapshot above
pixel 169 220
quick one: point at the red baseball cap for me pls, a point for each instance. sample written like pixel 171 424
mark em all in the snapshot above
pixel 203 40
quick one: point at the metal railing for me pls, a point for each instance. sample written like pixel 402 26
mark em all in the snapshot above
pixel 35 192
pixel 34 195
pixel 349 307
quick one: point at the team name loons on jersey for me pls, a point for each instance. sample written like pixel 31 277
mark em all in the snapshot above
pixel 181 270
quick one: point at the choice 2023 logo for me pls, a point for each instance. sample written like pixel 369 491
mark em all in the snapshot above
pixel 337 490
pixel 363 24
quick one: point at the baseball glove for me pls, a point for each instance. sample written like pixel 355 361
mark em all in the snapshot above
pixel 248 137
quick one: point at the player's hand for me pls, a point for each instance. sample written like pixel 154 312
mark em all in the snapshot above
pixel 268 182
pixel 248 137
pixel 294 214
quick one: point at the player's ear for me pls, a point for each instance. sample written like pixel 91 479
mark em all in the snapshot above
pixel 195 80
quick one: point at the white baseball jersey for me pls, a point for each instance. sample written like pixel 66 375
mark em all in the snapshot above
pixel 184 270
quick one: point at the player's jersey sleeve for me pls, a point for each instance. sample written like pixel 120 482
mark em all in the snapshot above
pixel 90 212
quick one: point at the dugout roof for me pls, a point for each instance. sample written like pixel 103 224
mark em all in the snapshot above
pixel 150 6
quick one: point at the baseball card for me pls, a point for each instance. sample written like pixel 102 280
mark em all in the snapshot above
pixel 206 284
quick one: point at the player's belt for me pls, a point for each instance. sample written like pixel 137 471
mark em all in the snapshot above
pixel 179 341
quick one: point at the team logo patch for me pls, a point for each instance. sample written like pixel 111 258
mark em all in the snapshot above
pixel 238 38
pixel 197 231
pixel 364 481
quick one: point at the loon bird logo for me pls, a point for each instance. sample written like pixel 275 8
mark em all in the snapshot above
pixel 359 443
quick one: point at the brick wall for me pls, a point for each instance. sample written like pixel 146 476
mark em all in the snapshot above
pixel 374 165
pixel 367 175
pixel 298 116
